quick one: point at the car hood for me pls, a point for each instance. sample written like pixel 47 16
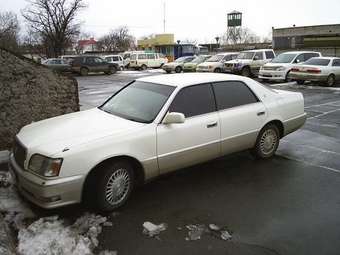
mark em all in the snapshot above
pixel 277 64
pixel 210 63
pixel 53 135
pixel 241 61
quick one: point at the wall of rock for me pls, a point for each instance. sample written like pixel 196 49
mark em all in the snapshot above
pixel 31 92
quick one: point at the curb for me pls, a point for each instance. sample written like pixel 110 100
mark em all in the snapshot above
pixel 7 246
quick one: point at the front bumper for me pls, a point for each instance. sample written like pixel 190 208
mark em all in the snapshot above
pixel 307 76
pixel 47 193
pixel 272 75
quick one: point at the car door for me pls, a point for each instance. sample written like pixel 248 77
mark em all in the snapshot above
pixel 198 138
pixel 101 65
pixel 257 62
pixel 336 68
pixel 241 115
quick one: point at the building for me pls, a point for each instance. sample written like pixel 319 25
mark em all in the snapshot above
pixel 87 45
pixel 323 38
pixel 165 44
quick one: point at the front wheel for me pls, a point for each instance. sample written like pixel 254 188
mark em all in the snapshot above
pixel 245 71
pixel 217 70
pixel 114 185
pixel 331 80
pixel 267 142
pixel 300 82
pixel 144 67
pixel 178 69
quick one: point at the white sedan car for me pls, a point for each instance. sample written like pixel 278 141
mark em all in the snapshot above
pixel 279 68
pixel 152 126
pixel 322 69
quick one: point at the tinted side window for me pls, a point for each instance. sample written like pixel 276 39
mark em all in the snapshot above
pixel 269 55
pixel 194 100
pixel 311 55
pixel 142 56
pixel 233 93
pixel 300 58
pixel 89 60
pixel 151 56
pixel 336 62
pixel 259 56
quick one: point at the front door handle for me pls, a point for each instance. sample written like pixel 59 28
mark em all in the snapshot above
pixel 260 113
pixel 211 125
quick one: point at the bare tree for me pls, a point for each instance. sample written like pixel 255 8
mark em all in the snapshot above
pixel 9 30
pixel 240 35
pixel 119 39
pixel 55 22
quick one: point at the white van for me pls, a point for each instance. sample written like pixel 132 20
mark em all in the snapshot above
pixel 146 60
pixel 117 59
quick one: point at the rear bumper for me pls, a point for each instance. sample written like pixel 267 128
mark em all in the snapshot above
pixel 294 124
pixel 308 77
pixel 45 193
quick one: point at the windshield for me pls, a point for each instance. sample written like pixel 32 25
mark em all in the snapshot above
pixel 139 101
pixel 180 60
pixel 284 58
pixel 198 60
pixel 216 58
pixel 317 62
pixel 246 55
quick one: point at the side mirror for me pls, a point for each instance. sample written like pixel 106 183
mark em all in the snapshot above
pixel 173 118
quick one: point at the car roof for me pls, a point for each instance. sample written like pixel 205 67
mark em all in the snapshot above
pixel 299 52
pixel 329 58
pixel 226 53
pixel 188 79
pixel 258 50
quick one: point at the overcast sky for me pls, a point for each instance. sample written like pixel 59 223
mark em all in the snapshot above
pixel 198 20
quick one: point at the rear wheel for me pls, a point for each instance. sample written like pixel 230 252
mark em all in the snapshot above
pixel 287 79
pixel 245 71
pixel 84 71
pixel 300 82
pixel 331 80
pixel 178 69
pixel 267 142
pixel 113 185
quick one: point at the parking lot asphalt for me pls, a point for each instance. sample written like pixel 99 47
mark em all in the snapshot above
pixel 286 205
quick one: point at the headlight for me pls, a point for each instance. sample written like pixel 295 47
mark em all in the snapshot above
pixel 280 68
pixel 44 166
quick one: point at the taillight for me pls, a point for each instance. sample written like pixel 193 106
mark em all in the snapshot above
pixel 295 70
pixel 314 70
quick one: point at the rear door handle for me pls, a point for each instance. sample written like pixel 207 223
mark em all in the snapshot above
pixel 211 125
pixel 260 113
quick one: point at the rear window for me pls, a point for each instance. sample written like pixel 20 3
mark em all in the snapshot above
pixel 317 62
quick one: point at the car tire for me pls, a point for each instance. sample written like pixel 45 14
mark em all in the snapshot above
pixel 217 70
pixel 300 82
pixel 144 67
pixel 178 69
pixel 267 142
pixel 331 80
pixel 168 71
pixel 84 71
pixel 287 79
pixel 245 71
pixel 112 177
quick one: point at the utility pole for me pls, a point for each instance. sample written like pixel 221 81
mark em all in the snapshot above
pixel 164 17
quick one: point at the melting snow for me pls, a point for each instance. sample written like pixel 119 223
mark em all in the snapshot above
pixel 152 230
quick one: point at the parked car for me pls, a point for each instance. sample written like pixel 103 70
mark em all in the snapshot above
pixel 319 69
pixel 151 127
pixel 146 60
pixel 216 62
pixel 57 64
pixel 116 59
pixel 191 66
pixel 278 69
pixel 178 64
pixel 68 58
pixel 127 55
pixel 249 62
pixel 86 64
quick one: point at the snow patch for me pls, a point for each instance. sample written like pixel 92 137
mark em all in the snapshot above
pixel 51 236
